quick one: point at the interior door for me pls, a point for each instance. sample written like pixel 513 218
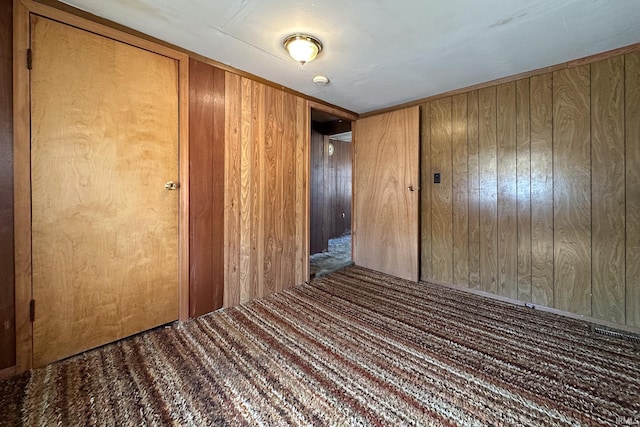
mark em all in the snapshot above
pixel 104 228
pixel 386 192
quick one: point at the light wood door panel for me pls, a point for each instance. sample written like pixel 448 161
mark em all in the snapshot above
pixel 386 211
pixel 104 228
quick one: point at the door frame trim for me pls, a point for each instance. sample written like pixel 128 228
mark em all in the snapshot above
pixel 22 162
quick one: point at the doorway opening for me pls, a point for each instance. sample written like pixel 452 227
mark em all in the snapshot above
pixel 330 193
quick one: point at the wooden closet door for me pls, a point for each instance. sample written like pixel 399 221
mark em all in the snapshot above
pixel 386 193
pixel 104 228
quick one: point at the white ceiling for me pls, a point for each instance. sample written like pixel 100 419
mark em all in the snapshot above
pixel 379 53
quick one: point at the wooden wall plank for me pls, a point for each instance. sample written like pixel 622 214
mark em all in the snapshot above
pixel 218 188
pixel 474 190
pixel 542 190
pixel 441 194
pixel 572 190
pixel 488 189
pixel 257 203
pixel 507 191
pixel 7 290
pixel 246 151
pixel 233 115
pixel 632 169
pixel 303 131
pixel 288 155
pixel 272 146
pixel 608 189
pixel 523 184
pixel 426 180
pixel 319 239
pixel 201 113
pixel 460 190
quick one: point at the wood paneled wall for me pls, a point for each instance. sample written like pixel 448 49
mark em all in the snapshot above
pixel 206 176
pixel 7 296
pixel 318 238
pixel 266 172
pixel 539 197
pixel 339 188
pixel 330 191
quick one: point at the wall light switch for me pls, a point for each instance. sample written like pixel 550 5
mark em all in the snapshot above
pixel 436 178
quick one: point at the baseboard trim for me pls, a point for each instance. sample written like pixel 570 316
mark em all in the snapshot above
pixel 518 302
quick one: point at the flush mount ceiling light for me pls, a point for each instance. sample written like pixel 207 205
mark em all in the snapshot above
pixel 302 47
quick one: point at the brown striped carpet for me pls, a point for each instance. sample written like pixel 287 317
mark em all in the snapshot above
pixel 353 348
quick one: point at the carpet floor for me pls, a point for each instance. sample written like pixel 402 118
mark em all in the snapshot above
pixel 353 348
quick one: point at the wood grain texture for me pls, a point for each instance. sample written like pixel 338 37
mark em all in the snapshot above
pixel 507 191
pixel 442 193
pixel 201 222
pixel 632 169
pixel 233 123
pixel 460 190
pixel 246 151
pixel 487 121
pixel 608 190
pixel 426 179
pixel 273 182
pixel 319 237
pixel 529 141
pixel 22 191
pixel 474 190
pixel 572 190
pixel 7 289
pixel 303 135
pixel 542 176
pixel 95 262
pixel 258 197
pixel 287 262
pixel 386 212
pixel 206 225
pixel 218 187
pixel 265 190
pixel 523 185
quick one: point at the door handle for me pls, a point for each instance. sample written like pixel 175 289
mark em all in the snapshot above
pixel 170 185
pixel 411 188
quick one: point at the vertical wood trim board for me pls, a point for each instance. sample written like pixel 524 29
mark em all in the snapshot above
pixel 22 190
pixel 7 267
pixel 540 189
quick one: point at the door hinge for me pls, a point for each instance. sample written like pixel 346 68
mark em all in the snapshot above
pixel 32 310
pixel 29 59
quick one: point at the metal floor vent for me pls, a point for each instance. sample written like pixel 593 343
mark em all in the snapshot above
pixel 627 336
